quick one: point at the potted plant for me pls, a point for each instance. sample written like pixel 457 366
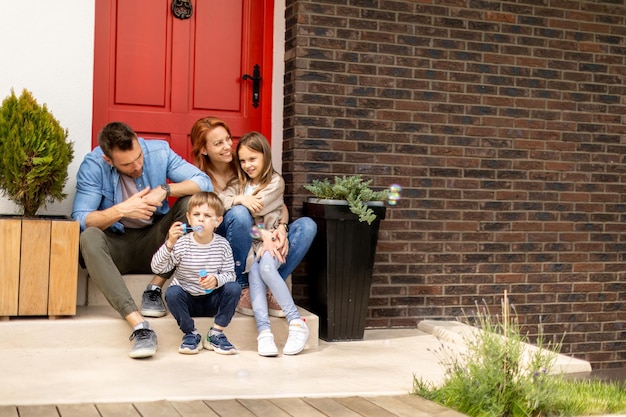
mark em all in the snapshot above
pixel 39 253
pixel 341 259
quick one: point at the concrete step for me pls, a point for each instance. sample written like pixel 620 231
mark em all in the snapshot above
pixel 97 324
pixel 102 327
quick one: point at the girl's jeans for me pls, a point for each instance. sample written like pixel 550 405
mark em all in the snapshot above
pixel 263 275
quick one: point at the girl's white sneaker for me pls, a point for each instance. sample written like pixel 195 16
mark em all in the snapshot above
pixel 266 345
pixel 298 335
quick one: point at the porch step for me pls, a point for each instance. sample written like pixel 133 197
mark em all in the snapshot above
pixel 102 327
pixel 97 324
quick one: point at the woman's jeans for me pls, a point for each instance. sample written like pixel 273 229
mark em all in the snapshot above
pixel 236 228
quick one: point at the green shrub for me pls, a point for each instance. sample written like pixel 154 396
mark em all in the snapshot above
pixel 34 153
pixel 352 189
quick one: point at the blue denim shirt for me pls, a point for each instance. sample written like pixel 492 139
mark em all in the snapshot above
pixel 98 183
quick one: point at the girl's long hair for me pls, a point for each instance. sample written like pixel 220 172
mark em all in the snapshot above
pixel 258 143
pixel 198 141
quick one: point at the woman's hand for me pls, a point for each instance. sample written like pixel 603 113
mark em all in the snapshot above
pixel 280 238
pixel 270 245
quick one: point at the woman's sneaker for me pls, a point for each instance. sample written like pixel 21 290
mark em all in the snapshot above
pixel 191 344
pixel 266 345
pixel 245 303
pixel 298 335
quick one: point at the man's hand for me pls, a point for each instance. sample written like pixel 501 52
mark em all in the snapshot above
pixel 139 206
pixel 156 196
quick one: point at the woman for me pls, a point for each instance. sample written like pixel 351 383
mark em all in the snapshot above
pixel 212 151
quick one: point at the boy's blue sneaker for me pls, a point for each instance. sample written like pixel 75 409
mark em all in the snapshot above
pixel 191 344
pixel 219 343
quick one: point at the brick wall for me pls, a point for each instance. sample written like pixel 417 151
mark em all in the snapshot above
pixel 504 122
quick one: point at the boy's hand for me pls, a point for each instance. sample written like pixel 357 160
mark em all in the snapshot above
pixel 209 282
pixel 173 234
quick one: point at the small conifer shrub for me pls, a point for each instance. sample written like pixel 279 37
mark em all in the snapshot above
pixel 34 153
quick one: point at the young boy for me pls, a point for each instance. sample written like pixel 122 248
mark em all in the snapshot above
pixel 203 282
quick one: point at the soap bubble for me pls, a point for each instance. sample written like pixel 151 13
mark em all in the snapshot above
pixel 266 267
pixel 255 231
pixel 394 194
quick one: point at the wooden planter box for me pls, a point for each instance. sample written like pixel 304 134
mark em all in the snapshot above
pixel 342 262
pixel 38 267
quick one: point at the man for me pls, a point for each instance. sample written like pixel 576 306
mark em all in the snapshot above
pixel 121 204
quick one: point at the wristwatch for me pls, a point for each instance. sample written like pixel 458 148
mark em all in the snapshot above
pixel 166 187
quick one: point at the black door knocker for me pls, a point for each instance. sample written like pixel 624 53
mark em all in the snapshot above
pixel 182 9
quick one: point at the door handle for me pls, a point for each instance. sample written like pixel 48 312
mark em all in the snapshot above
pixel 256 84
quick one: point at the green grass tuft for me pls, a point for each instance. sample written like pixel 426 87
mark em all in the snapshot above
pixel 499 375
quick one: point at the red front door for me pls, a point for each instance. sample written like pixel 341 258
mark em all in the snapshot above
pixel 160 73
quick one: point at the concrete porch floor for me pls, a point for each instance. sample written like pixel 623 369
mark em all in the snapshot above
pixel 84 359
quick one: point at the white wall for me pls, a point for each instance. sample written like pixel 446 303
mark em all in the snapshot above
pixel 278 81
pixel 46 46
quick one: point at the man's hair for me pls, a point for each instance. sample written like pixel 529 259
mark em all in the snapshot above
pixel 116 135
pixel 209 198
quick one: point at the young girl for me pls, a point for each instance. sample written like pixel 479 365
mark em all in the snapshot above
pixel 260 188
pixel 203 283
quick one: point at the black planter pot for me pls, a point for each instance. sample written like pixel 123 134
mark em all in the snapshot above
pixel 341 260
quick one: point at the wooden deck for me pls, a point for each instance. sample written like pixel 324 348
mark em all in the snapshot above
pixel 380 406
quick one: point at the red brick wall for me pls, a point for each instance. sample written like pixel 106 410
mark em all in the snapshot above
pixel 504 122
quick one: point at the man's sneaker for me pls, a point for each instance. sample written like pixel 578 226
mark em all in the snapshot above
pixel 298 335
pixel 219 343
pixel 152 303
pixel 245 303
pixel 273 308
pixel 192 343
pixel 145 343
pixel 266 345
